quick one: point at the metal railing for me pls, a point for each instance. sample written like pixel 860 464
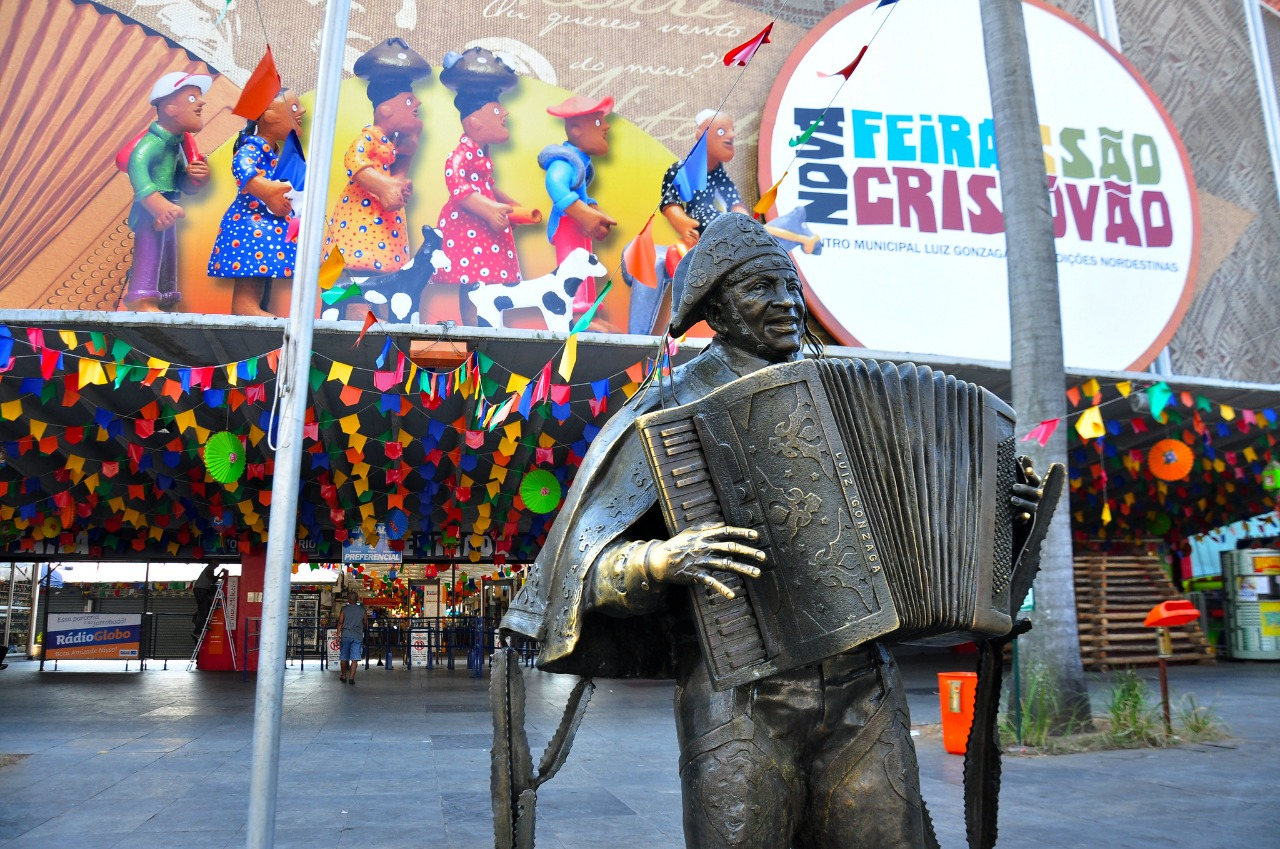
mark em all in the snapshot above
pixel 436 641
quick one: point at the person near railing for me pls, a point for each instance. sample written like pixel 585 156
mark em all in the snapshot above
pixel 352 621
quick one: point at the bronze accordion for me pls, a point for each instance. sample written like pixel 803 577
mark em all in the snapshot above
pixel 881 494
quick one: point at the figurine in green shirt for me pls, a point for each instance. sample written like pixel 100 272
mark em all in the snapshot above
pixel 162 166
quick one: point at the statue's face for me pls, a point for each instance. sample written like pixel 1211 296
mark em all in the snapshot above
pixel 762 314
pixel 399 114
pixel 282 116
pixel 588 133
pixel 180 112
pixel 487 125
pixel 720 138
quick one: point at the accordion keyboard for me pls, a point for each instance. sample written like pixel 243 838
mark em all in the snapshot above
pixel 729 626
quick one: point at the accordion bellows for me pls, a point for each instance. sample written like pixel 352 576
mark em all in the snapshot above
pixel 881 494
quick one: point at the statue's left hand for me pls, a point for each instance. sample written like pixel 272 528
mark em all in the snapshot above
pixel 1027 490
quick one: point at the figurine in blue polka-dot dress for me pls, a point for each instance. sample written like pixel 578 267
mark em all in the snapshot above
pixel 252 246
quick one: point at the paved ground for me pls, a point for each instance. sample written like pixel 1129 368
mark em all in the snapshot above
pixel 161 759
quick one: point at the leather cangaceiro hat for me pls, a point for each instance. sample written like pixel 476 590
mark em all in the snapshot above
pixel 733 245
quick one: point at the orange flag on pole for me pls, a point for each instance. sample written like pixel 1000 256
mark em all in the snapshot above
pixel 768 198
pixel 640 256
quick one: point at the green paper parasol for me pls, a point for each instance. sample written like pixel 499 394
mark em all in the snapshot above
pixel 540 491
pixel 224 457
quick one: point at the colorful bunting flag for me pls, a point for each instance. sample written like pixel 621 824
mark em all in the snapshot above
pixel 807 134
pixel 569 358
pixel 1042 432
pixel 847 70
pixel 743 53
pixel 692 175
pixel 768 199
pixel 262 87
pixel 640 257
pixel 1090 425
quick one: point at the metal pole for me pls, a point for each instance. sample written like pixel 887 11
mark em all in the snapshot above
pixel 292 391
pixel 31 614
pixel 1104 11
pixel 147 637
pixel 35 605
pixel 8 609
pixel 1164 648
pixel 1266 84
pixel 1164 698
pixel 1017 696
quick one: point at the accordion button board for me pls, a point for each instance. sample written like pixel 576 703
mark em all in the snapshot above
pixel 880 493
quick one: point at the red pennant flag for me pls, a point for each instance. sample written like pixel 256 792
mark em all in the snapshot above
pixel 742 54
pixel 369 320
pixel 48 362
pixel 260 90
pixel 1042 432
pixel 847 70
pixel 543 386
pixel 640 257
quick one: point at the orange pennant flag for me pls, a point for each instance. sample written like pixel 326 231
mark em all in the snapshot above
pixel 331 270
pixel 640 256
pixel 260 90
pixel 768 198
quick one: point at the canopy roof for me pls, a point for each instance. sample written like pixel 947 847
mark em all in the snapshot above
pixel 103 416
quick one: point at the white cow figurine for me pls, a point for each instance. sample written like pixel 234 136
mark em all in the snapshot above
pixel 551 293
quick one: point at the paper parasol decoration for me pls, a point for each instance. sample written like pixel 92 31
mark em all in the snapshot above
pixel 540 491
pixel 224 457
pixel 1170 460
pixel 397 524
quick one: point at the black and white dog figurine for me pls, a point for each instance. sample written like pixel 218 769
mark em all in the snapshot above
pixel 400 290
pixel 551 293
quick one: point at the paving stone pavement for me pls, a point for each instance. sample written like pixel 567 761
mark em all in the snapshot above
pixel 161 759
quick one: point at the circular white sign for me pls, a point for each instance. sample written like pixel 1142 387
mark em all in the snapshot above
pixel 900 181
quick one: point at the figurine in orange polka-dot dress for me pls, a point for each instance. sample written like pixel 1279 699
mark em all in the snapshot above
pixel 252 246
pixel 367 225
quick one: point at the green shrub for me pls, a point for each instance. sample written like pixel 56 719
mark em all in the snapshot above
pixel 1134 721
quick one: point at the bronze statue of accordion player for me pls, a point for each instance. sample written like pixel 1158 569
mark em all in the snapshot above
pixel 759 527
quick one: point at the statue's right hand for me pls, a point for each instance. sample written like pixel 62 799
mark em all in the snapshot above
pixel 694 553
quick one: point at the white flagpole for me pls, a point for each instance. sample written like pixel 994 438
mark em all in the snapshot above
pixel 291 393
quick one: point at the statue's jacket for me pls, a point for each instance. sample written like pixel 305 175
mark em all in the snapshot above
pixel 614 498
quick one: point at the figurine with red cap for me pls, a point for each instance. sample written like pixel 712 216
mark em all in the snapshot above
pixel 576 220
pixel 162 166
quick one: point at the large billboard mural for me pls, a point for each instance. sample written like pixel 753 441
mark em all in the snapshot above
pixel 894 192
pixel 192 208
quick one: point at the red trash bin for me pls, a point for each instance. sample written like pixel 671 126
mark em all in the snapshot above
pixel 956 691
